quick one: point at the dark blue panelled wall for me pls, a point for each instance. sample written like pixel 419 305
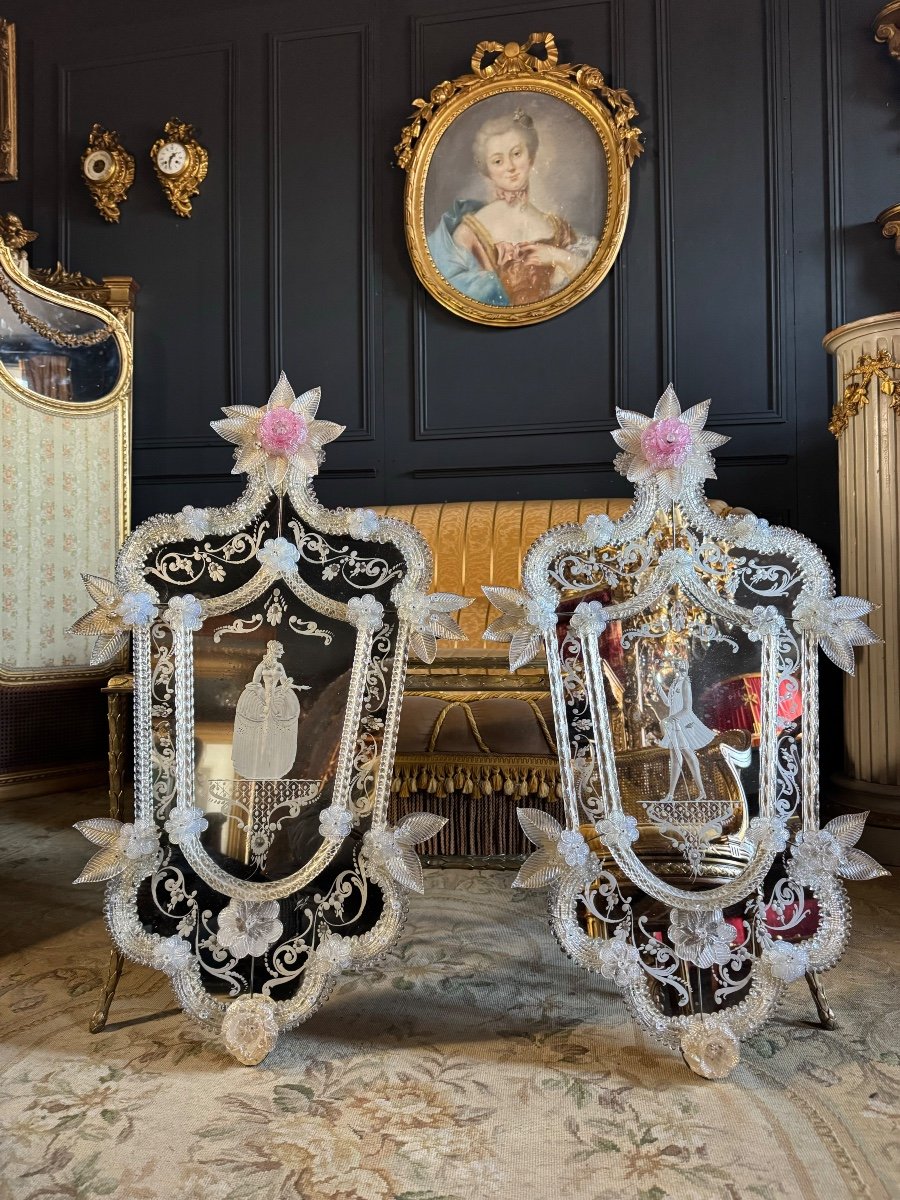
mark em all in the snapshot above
pixel 772 135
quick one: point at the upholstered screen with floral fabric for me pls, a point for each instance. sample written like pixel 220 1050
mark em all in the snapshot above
pixel 58 517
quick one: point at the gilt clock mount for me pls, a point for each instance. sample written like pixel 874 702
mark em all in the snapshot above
pixel 180 163
pixel 108 171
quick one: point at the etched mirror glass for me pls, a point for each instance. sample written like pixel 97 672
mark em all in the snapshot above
pixel 682 646
pixel 270 641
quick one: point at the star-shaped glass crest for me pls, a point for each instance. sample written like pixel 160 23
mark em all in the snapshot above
pixel 281 440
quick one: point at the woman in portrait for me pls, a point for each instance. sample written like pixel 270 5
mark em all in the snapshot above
pixel 505 250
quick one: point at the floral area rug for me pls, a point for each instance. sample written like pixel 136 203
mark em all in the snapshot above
pixel 475 1062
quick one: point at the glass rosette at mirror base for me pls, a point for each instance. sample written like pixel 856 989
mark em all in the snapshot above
pixel 682 646
pixel 270 641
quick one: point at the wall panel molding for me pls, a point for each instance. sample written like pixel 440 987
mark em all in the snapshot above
pixel 427 427
pixel 665 197
pixel 155 479
pixel 277 42
pixel 776 116
pixel 599 466
pixel 834 141
pixel 65 183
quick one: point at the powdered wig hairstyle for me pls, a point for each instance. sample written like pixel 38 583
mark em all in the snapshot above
pixel 518 122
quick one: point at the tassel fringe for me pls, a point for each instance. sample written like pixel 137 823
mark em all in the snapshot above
pixel 479 801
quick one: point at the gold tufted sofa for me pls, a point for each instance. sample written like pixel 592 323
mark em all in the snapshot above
pixel 475 741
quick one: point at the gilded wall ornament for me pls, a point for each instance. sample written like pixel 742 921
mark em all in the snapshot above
pixel 887 28
pixel 517 183
pixel 889 220
pixel 180 163
pixel 108 171
pixel 14 234
pixel 880 367
pixel 9 136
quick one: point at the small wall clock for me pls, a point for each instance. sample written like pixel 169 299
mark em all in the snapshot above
pixel 108 171
pixel 180 163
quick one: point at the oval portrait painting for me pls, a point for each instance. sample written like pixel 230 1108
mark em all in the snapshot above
pixel 516 199
pixel 517 183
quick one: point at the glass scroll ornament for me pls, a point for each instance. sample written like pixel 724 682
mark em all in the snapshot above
pixel 682 649
pixel 270 640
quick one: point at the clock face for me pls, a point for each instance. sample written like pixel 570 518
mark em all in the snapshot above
pixel 98 166
pixel 171 158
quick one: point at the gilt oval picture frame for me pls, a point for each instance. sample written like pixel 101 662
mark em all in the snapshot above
pixel 517 184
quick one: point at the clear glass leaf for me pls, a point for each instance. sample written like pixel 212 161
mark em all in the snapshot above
pixel 405 867
pixel 847 828
pixel 419 827
pixel 538 869
pixel 859 865
pixel 538 826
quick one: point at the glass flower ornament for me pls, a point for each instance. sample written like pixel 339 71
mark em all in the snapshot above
pixel 835 623
pixel 113 617
pixel 250 1028
pixel 283 440
pixel 429 618
pixel 523 623
pixel 248 927
pixel 669 447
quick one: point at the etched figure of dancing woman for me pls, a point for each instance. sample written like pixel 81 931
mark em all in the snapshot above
pixel 266 720
pixel 683 731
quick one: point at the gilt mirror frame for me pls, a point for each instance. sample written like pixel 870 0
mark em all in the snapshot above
pixel 576 102
pixel 97 435
pixel 9 120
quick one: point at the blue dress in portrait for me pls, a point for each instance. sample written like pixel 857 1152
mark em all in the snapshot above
pixel 459 266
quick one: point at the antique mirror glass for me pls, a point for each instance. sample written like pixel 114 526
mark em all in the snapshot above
pixel 682 650
pixel 270 641
pixel 65 397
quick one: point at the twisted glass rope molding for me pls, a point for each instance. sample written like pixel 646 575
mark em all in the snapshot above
pixel 228 941
pixel 762 908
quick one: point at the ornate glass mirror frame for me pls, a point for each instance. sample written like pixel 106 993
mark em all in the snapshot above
pixel 341 900
pixel 711 963
pixel 66 464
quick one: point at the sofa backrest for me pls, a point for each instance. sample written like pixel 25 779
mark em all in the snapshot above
pixel 484 542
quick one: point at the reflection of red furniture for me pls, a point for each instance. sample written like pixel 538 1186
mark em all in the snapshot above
pixel 781 926
pixel 777 925
pixel 735 704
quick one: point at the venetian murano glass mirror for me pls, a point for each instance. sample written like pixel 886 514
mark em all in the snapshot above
pixel 682 647
pixel 270 641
